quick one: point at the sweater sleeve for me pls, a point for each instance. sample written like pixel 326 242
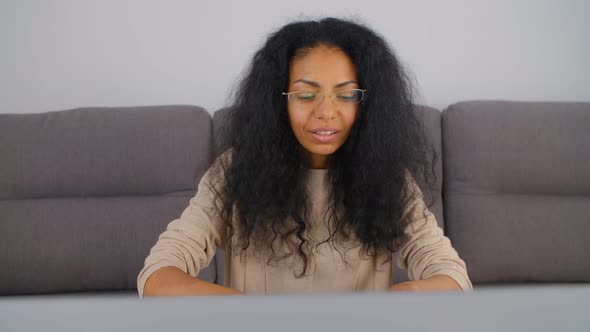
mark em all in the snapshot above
pixel 424 250
pixel 189 242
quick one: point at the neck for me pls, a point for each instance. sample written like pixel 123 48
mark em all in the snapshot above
pixel 317 161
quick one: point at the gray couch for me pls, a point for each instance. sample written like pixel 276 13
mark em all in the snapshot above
pixel 85 193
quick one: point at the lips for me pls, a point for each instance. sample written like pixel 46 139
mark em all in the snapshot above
pixel 324 135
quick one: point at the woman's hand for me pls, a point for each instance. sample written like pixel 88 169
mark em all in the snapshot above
pixel 171 281
pixel 438 282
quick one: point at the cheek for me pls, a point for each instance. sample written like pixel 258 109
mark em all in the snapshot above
pixel 297 121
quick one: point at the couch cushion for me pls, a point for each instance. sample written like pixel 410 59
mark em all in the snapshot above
pixel 517 189
pixel 85 193
pixel 103 151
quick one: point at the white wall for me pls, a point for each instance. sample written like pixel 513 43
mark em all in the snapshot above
pixel 64 54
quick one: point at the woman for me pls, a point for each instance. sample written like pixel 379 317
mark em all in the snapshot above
pixel 314 191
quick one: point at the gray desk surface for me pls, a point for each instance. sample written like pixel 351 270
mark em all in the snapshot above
pixel 547 308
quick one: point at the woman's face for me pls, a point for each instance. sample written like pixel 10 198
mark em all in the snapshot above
pixel 322 125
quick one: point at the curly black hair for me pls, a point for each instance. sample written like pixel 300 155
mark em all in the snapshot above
pixel 265 182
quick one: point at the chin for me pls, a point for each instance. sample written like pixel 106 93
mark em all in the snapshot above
pixel 323 150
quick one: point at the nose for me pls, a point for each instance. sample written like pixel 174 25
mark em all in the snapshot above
pixel 326 109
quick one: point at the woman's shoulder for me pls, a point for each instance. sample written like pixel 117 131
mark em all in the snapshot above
pixel 215 174
pixel 223 159
pixel 410 190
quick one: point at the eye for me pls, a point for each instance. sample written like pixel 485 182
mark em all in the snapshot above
pixel 305 96
pixel 348 95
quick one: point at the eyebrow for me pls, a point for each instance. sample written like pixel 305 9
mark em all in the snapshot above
pixel 317 85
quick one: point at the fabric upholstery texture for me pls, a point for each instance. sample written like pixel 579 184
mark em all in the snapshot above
pixel 517 189
pixel 85 193
pixel 103 151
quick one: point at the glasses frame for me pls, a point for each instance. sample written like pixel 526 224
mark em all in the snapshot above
pixel 331 95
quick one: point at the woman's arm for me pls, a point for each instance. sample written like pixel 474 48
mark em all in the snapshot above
pixel 432 262
pixel 437 282
pixel 188 244
pixel 171 281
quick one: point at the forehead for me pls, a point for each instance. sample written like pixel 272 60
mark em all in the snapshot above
pixel 323 64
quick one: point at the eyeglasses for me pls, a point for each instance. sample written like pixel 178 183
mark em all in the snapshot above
pixel 311 99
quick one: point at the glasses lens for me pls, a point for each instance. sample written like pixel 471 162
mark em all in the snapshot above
pixel 353 96
pixel 304 97
pixel 310 98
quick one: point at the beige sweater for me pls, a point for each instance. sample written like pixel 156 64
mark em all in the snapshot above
pixel 189 243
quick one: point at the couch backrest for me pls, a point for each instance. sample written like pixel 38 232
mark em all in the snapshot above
pixel 517 189
pixel 85 193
